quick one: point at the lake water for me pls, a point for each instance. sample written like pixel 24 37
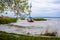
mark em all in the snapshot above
pixel 52 24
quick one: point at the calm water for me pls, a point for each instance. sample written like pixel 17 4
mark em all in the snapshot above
pixel 52 24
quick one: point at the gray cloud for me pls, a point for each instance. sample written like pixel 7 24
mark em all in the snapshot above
pixel 46 8
pixel 56 2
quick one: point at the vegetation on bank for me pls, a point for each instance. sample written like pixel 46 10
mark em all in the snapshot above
pixel 12 36
pixel 39 19
pixel 7 20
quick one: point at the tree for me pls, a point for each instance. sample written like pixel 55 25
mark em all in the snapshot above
pixel 19 7
pixel 29 10
pixel 2 6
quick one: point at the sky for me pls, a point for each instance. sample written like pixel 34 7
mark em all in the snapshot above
pixel 45 8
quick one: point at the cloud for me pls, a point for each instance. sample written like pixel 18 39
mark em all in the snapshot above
pixel 45 7
pixel 56 1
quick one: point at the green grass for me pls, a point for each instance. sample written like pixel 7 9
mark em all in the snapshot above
pixel 7 20
pixel 12 36
pixel 39 19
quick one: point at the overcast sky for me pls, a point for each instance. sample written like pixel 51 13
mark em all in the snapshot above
pixel 45 8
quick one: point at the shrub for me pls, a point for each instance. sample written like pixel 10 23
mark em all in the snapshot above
pixel 50 34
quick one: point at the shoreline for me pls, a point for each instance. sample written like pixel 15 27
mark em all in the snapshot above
pixel 33 28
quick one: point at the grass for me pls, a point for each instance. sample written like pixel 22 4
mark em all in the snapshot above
pixel 7 20
pixel 39 19
pixel 12 36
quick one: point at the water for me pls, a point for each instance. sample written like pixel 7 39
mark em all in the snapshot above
pixel 52 24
